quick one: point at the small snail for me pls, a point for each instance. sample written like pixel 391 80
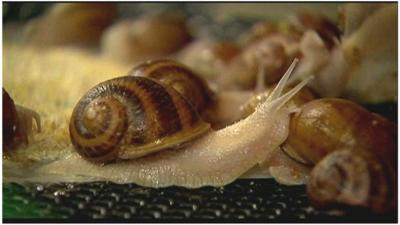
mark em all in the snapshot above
pixel 273 54
pixel 209 58
pixel 346 69
pixel 145 38
pixel 71 23
pixel 263 29
pixel 132 116
pixel 327 30
pixel 352 15
pixel 17 122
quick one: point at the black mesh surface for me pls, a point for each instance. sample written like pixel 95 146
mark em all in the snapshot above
pixel 243 200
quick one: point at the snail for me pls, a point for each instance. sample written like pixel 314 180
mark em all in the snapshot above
pixel 353 152
pixel 327 30
pixel 71 23
pixel 157 106
pixel 263 29
pixel 324 125
pixel 273 54
pixel 354 178
pixel 364 60
pixel 17 122
pixel 165 95
pixel 216 158
pixel 209 58
pixel 352 15
pixel 146 38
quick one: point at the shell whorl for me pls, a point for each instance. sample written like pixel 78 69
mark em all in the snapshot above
pixel 128 117
pixel 356 178
pixel 179 77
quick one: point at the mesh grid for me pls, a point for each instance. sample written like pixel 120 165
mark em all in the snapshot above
pixel 243 200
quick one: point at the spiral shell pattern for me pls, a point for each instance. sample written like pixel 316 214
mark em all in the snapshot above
pixel 179 77
pixel 353 178
pixel 128 117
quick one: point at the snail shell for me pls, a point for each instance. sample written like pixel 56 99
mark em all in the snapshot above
pixel 178 76
pixel 131 116
pixel 346 177
pixel 325 125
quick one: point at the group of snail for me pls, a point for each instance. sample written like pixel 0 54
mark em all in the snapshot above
pixel 160 105
pixel 164 104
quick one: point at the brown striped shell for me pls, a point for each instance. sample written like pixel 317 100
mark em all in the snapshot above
pixel 129 117
pixel 355 178
pixel 179 77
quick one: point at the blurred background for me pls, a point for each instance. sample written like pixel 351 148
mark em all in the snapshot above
pixel 24 11
pixel 232 17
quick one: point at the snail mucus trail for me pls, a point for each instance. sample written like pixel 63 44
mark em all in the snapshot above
pixel 157 106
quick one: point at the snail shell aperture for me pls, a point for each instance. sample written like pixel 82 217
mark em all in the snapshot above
pixel 128 117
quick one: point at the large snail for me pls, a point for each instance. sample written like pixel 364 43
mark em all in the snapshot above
pixel 216 158
pixel 158 106
pixel 17 122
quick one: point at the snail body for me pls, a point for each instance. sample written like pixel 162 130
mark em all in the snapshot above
pixel 128 117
